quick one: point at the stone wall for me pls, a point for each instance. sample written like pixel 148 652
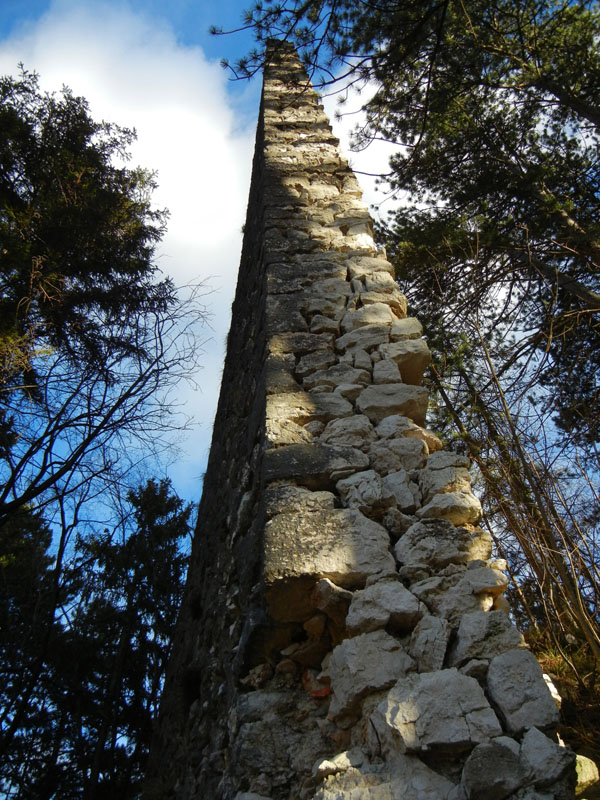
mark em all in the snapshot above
pixel 343 633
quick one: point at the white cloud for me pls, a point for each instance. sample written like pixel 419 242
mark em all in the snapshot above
pixel 134 73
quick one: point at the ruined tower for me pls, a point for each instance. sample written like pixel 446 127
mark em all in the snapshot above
pixel 342 633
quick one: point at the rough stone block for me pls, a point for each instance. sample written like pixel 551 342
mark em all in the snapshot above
pixel 385 603
pixel 361 666
pixel 337 375
pixel 493 771
pixel 403 329
pixel 412 357
pixel 365 338
pixel 460 508
pixel 393 455
pixel 516 687
pixel 365 491
pixel 303 407
pixel 403 490
pixel 316 466
pixel 372 314
pixel 386 371
pixel 355 431
pixel 441 710
pixel 440 481
pixel 429 642
pixel 342 545
pixel 484 635
pixel 439 543
pixel 378 402
pixel 546 761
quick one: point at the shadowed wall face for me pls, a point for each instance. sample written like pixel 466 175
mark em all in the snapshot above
pixel 343 632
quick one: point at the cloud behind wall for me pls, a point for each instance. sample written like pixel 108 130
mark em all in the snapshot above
pixel 133 72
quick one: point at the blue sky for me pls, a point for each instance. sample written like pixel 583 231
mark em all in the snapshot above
pixel 152 65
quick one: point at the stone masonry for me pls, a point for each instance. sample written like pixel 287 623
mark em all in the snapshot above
pixel 343 632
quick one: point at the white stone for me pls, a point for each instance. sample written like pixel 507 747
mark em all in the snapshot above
pixel 451 596
pixel 484 635
pixel 493 770
pixel 365 338
pixel 403 490
pixel 321 324
pixel 373 314
pixel 393 455
pixel 429 642
pixel 517 688
pixel 386 371
pixel 460 508
pixel 355 431
pixel 311 362
pixel 412 357
pixel 365 491
pixel 379 282
pixel 438 543
pixel 587 774
pixel 365 664
pixel 435 710
pixel 362 360
pixel 409 328
pixel 440 481
pixel 395 299
pixel 378 402
pixel 386 603
pixel 546 760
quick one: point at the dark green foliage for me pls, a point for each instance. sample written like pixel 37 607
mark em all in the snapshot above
pixel 86 727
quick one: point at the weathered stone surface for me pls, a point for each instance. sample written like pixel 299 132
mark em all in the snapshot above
pixel 379 282
pixel 321 324
pixel 282 432
pixel 429 642
pixel 412 357
pixel 372 314
pixel 587 774
pixel 302 407
pixel 327 297
pixel 299 343
pixel 336 375
pixel 493 771
pixel 332 600
pixel 439 543
pixel 319 360
pixel 447 458
pixel 443 710
pixel 403 490
pixel 283 315
pixel 451 596
pixel 363 665
pixel 484 635
pixel 386 603
pixel 393 455
pixel 409 328
pixel 394 299
pixel 355 431
pixel 359 267
pixel 378 402
pixel 517 688
pixel 460 508
pixel 316 466
pixel 280 378
pixel 386 371
pixel 287 499
pixel 547 762
pixel 365 338
pixel 365 491
pixel 447 479
pixel 342 545
pixel 397 522
pixel 404 778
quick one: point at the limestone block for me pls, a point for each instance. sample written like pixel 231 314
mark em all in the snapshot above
pixel 403 490
pixel 355 431
pixel 373 314
pixel 446 458
pixel 385 603
pixel 319 360
pixel 282 432
pixel 279 372
pixel 302 407
pixel 299 343
pixel 332 600
pixel 396 425
pixel 316 466
pixel 379 282
pixel 484 635
pixel 326 297
pixel 493 770
pixel 403 778
pixel 408 328
pixel 365 338
pixel 378 402
pixel 460 508
pixel 546 761
pixel 429 642
pixel 359 267
pixel 587 774
pixel 286 499
pixel 516 687
pixel 397 522
pixel 336 375
pixel 412 357
pixel 438 543
pixel 365 491
pixel 440 481
pixel 363 665
pixel 396 454
pixel 441 710
pixel 321 324
pixel 341 544
pixel 362 360
pixel 451 596
pixel 394 299
pixel 386 371
pixel 350 391
pixel 283 314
